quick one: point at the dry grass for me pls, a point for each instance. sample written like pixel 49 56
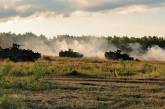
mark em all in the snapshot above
pixel 88 66
pixel 87 83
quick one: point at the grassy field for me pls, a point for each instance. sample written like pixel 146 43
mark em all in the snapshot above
pixel 87 83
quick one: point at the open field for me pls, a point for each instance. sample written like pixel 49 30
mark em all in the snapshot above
pixel 87 83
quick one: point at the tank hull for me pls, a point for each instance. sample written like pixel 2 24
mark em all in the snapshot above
pixel 117 56
pixel 18 55
pixel 70 54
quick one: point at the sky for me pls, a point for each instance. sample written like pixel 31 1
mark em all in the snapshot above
pixel 83 17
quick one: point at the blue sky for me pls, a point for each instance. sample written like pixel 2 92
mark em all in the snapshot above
pixel 83 17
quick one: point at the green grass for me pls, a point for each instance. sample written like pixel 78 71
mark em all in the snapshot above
pixel 67 83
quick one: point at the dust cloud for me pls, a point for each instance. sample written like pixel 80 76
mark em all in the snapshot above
pixel 91 48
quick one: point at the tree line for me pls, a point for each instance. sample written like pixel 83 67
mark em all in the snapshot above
pixel 6 39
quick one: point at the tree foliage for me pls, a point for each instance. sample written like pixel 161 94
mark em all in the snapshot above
pixel 6 40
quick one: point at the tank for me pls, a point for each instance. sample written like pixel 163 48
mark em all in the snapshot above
pixel 16 54
pixel 117 55
pixel 70 53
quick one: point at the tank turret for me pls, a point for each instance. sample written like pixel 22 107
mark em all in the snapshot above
pixel 16 46
pixel 70 53
pixel 117 55
pixel 16 54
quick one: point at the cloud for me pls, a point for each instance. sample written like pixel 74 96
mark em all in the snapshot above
pixel 136 9
pixel 85 4
pixel 26 8
pixel 114 4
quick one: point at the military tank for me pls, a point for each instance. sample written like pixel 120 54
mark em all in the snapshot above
pixel 70 53
pixel 16 54
pixel 117 55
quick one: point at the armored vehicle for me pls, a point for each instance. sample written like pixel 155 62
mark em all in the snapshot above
pixel 16 54
pixel 70 53
pixel 117 55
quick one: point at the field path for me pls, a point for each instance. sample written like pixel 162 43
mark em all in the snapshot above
pixel 98 93
pixel 115 80
pixel 72 92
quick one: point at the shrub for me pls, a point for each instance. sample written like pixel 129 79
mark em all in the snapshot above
pixel 4 70
pixel 8 103
pixel 39 70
